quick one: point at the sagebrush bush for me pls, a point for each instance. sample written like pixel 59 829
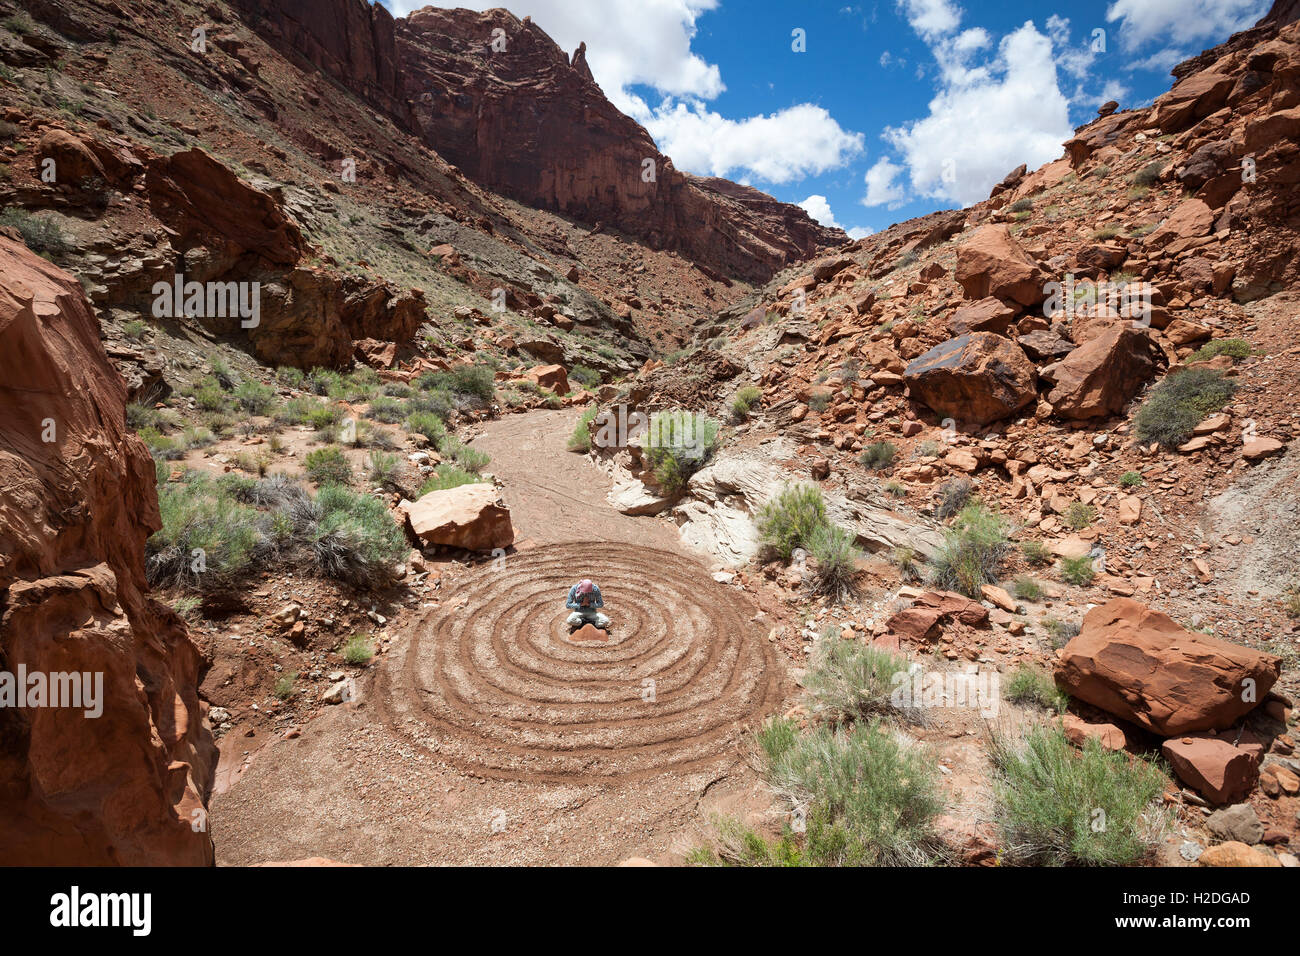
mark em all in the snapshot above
pixel 446 477
pixel 878 455
pixel 430 426
pixel 254 397
pixel 581 438
pixel 1131 479
pixel 387 410
pixel 1078 515
pixel 355 539
pixel 1027 589
pixel 743 404
pixel 972 552
pixel 1036 553
pixel 837 559
pixel 678 444
pixel 328 465
pixel 788 521
pixel 40 233
pixel 1078 571
pixel 851 680
pixel 1236 349
pixel 358 650
pixel 1030 685
pixel 206 535
pixel 870 800
pixel 1057 806
pixel 1179 403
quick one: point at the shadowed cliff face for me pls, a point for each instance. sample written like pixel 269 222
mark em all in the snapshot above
pixel 526 121
pixel 77 501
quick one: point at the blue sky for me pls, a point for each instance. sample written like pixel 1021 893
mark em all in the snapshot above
pixel 894 108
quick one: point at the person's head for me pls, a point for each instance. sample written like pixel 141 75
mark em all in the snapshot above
pixel 585 586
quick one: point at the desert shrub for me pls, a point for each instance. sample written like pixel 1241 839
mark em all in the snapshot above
pixel 1179 403
pixel 929 449
pixel 439 402
pixel 678 444
pixel 1060 631
pixel 1236 349
pixel 382 468
pixel 878 455
pixel 789 520
pixel 475 384
pixel 851 680
pixel 142 416
pixel 1131 479
pixel 1030 685
pixel 581 438
pixel 1036 553
pixel 290 377
pixel 1078 571
pixel 210 396
pixel 972 551
pixel 430 426
pixel 1049 798
pixel 1078 515
pixel 1106 232
pixel 40 233
pixel 585 376
pixel 1149 174
pixel 206 535
pixel 328 465
pixel 953 496
pixel 134 329
pixel 1027 589
pixel 355 539
pixel 1022 205
pixel 358 650
pixel 1291 601
pixel 870 800
pixel 837 559
pixel 446 477
pixel 895 490
pixel 254 397
pixel 743 404
pixel 904 558
pixel 471 459
pixel 284 686
pixel 386 410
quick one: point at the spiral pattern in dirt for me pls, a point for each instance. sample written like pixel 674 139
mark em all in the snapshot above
pixel 491 684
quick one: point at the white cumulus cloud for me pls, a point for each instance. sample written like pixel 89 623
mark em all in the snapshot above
pixel 1181 23
pixel 883 188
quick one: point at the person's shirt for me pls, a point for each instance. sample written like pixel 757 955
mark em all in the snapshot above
pixel 574 604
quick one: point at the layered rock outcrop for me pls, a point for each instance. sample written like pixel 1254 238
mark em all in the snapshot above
pixel 77 502
pixel 523 119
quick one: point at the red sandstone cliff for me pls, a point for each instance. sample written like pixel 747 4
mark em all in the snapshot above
pixel 533 125
pixel 77 502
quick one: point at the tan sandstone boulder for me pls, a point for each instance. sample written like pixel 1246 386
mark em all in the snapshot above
pixel 469 517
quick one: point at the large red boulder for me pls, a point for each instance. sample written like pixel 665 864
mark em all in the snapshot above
pixel 77 502
pixel 991 263
pixel 1098 378
pixel 980 377
pixel 469 517
pixel 1143 666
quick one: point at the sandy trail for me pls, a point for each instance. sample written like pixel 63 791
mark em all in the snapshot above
pixel 485 736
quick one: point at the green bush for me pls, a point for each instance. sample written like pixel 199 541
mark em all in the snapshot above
pixel 1078 515
pixel 438 402
pixel 386 410
pixel 284 687
pixel 1149 174
pixel 383 468
pixel 678 444
pixel 328 465
pixel 430 426
pixel 1027 589
pixel 972 551
pixel 837 559
pixel 358 650
pixel 1060 631
pixel 895 490
pixel 851 680
pixel 1236 349
pixel 1131 479
pixel 40 233
pixel 870 800
pixel 1030 685
pixel 355 539
pixel 581 438
pixel 290 377
pixel 1179 403
pixel 254 397
pixel 1078 571
pixel 879 455
pixel 210 396
pixel 446 477
pixel 1056 806
pixel 471 459
pixel 206 536
pixel 789 520
pixel 475 383
pixel 1036 553
pixel 743 404
pixel 585 376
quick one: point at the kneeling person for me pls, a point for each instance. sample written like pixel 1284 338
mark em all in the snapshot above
pixel 584 599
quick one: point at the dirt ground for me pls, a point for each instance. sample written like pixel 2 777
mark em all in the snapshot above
pixel 486 737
